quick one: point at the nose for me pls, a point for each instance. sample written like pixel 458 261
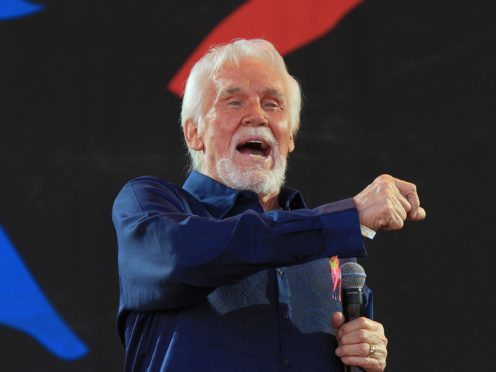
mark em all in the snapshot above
pixel 255 116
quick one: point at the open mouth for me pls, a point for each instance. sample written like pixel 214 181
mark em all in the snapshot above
pixel 254 148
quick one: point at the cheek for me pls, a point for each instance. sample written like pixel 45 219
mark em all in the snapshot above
pixel 219 142
pixel 221 131
pixel 223 138
pixel 283 135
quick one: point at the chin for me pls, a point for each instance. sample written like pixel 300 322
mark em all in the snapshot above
pixel 253 178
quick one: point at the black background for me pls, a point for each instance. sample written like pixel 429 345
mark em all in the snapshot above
pixel 399 87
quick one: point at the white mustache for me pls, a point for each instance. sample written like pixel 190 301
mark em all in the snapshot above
pixel 247 132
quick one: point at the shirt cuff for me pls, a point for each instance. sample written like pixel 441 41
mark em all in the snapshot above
pixel 341 229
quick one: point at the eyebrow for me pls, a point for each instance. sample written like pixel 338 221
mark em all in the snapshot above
pixel 275 93
pixel 229 91
pixel 268 91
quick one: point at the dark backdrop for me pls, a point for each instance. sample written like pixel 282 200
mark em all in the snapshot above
pixel 399 87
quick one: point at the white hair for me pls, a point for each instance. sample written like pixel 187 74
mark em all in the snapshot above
pixel 195 92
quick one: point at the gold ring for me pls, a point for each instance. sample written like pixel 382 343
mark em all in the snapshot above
pixel 371 351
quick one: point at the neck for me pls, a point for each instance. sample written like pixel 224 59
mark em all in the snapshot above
pixel 269 202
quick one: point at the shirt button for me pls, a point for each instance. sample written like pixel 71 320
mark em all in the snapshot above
pixel 285 361
pixel 279 272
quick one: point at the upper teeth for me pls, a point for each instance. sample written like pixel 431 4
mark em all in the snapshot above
pixel 262 145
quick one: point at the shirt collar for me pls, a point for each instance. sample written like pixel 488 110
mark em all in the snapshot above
pixel 290 199
pixel 219 199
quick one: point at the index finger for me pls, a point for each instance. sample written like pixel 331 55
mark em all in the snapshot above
pixel 359 323
pixel 409 191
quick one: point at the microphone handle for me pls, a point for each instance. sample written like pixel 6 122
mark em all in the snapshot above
pixel 353 369
pixel 352 309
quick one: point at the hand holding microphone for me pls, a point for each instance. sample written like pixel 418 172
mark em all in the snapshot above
pixel 383 205
pixel 362 342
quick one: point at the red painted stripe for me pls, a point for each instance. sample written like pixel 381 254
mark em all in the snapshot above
pixel 288 24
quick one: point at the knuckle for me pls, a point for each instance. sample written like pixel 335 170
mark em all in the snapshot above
pixel 362 321
pixel 384 177
pixel 388 193
pixel 362 335
pixel 364 349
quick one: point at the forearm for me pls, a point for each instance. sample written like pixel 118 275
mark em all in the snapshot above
pixel 168 258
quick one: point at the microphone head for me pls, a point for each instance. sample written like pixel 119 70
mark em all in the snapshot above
pixel 352 276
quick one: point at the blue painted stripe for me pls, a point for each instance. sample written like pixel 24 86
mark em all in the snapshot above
pixel 24 307
pixel 10 9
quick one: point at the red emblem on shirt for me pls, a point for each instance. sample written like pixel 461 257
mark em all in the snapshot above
pixel 336 278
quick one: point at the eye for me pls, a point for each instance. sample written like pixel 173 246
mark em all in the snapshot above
pixel 271 104
pixel 234 103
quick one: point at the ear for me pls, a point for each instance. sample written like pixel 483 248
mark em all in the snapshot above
pixel 192 137
pixel 291 144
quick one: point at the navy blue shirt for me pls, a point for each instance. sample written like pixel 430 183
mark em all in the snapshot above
pixel 211 282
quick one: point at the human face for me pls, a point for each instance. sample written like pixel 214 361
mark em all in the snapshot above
pixel 247 132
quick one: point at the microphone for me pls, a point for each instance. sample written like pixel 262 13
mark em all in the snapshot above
pixel 352 281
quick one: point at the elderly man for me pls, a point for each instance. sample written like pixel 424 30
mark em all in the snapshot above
pixel 231 271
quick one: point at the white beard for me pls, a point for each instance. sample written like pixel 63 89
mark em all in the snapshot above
pixel 260 181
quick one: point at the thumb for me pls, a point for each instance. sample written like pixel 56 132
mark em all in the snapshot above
pixel 337 320
pixel 419 215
